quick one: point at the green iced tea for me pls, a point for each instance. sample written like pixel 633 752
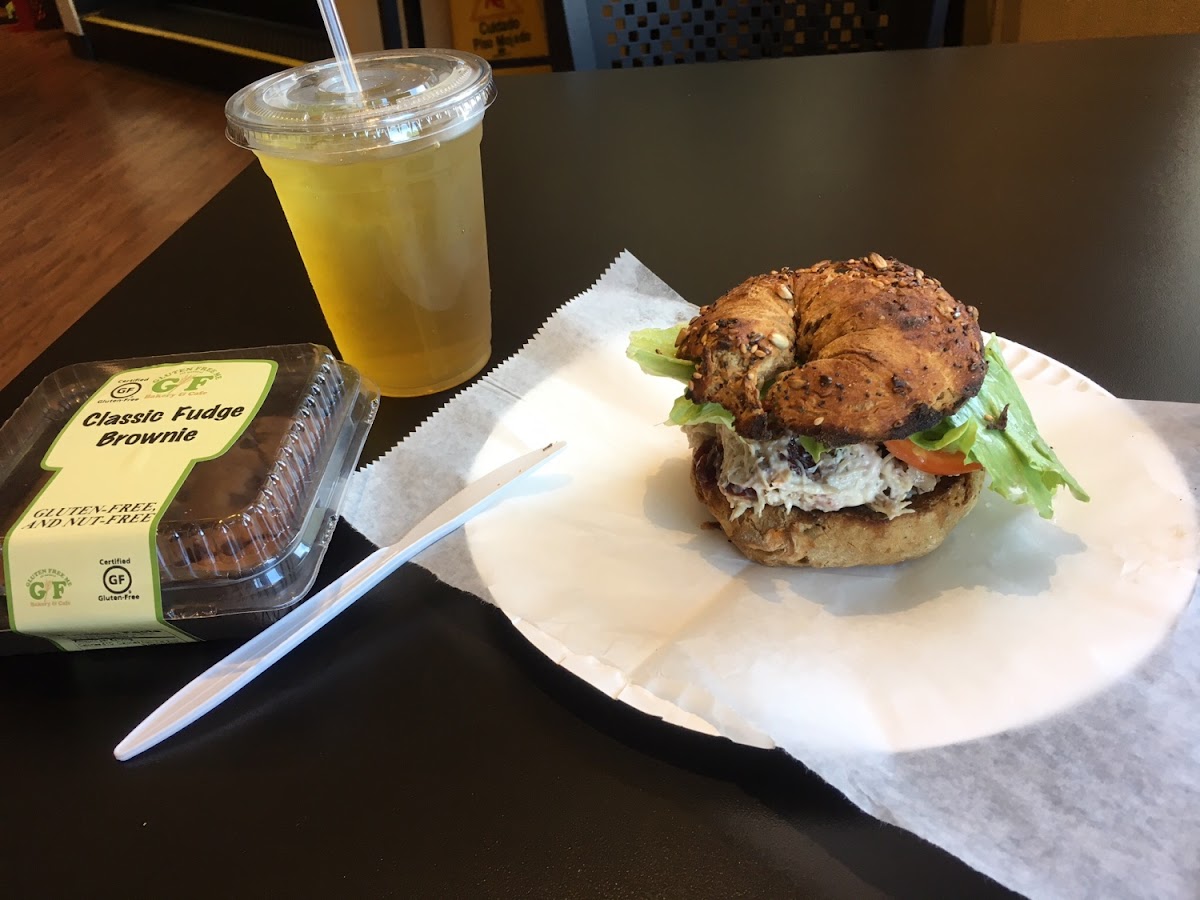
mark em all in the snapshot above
pixel 396 248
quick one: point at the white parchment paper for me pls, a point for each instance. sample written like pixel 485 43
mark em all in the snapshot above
pixel 1039 664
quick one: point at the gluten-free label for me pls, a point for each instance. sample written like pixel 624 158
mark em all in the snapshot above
pixel 81 563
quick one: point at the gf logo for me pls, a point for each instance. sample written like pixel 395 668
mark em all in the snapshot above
pixel 186 383
pixel 52 588
pixel 48 584
pixel 117 579
pixel 125 390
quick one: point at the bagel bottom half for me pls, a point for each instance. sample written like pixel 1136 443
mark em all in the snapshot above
pixel 857 536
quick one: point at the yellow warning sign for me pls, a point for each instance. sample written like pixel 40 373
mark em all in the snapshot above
pixel 500 29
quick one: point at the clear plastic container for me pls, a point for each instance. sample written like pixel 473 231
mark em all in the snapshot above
pixel 383 192
pixel 243 538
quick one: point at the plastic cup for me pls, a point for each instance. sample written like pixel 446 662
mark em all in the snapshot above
pixel 383 192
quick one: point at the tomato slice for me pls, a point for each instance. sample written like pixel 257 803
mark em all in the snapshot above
pixel 935 462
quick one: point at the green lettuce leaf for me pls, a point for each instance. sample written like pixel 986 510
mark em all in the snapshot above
pixel 814 447
pixel 996 429
pixel 654 350
pixel 685 412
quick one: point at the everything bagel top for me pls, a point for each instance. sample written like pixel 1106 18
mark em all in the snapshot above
pixel 846 352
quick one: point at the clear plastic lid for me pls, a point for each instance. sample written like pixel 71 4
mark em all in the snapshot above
pixel 409 98
pixel 245 531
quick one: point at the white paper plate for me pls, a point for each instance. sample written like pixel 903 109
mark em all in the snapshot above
pixel 874 672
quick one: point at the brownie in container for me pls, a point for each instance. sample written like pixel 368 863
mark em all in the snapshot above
pixel 242 540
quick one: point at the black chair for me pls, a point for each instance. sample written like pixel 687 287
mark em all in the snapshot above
pixel 621 34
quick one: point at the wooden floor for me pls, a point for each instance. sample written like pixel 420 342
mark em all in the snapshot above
pixel 98 165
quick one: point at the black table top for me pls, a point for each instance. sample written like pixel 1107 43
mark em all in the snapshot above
pixel 417 746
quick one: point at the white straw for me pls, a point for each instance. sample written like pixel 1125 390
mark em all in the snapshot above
pixel 341 50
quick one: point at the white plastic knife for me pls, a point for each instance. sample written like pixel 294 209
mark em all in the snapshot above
pixel 239 668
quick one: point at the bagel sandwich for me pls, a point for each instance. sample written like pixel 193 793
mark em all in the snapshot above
pixel 848 413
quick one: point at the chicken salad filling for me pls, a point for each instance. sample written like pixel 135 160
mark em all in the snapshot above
pixel 780 472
